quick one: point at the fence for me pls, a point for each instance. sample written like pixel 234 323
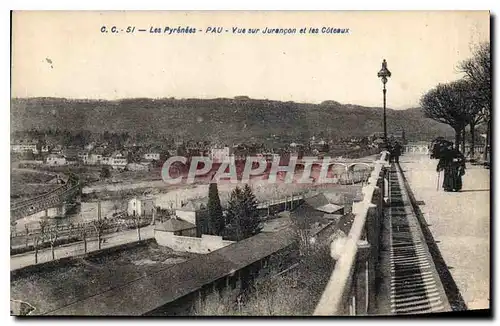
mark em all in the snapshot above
pixel 351 287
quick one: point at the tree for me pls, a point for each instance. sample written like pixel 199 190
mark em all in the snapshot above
pixel 43 226
pixel 215 218
pixel 242 214
pixel 450 104
pixel 137 222
pixel 477 71
pixel 52 235
pixel 27 234
pixel 99 227
pixel 36 242
pixel 83 234
pixel 105 172
pixel 153 218
pixel 301 225
pixel 475 119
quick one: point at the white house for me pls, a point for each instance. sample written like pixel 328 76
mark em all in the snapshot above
pixel 94 159
pixel 84 157
pixel 221 155
pixel 57 149
pixel 151 156
pixel 24 146
pixel 118 162
pixel 89 146
pixel 106 160
pixel 137 167
pixel 141 206
pixel 54 159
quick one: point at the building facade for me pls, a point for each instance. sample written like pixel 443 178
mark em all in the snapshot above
pixel 56 160
pixel 152 156
pixel 142 206
pixel 23 147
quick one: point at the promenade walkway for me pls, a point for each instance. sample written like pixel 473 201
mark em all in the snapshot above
pixel 74 249
pixel 459 223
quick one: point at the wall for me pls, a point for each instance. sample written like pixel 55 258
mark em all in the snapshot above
pixel 351 286
pixel 187 233
pixel 203 245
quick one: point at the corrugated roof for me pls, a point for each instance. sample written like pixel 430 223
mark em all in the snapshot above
pixel 155 290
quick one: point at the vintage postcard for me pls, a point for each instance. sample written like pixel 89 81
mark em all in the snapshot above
pixel 250 163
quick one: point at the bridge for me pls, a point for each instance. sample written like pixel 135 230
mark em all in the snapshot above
pixel 53 198
pixel 423 148
pixel 419 148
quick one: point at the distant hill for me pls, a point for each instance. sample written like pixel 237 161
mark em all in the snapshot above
pixel 238 119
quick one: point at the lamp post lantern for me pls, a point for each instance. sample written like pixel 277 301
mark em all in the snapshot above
pixel 384 73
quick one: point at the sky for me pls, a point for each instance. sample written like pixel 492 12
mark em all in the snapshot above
pixel 65 54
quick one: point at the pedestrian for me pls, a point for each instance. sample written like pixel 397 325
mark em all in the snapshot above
pixel 453 164
pixel 390 150
pixel 396 152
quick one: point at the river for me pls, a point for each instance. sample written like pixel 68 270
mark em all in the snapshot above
pixel 174 199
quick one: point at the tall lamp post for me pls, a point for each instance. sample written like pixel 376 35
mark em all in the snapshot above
pixel 384 73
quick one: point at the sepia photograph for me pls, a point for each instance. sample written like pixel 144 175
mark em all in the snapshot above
pixel 250 163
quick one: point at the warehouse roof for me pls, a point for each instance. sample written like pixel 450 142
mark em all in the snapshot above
pixel 171 283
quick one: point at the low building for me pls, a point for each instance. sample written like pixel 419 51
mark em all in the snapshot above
pixel 179 236
pixel 83 157
pixel 317 210
pixel 71 160
pixel 106 160
pixel 71 152
pixel 195 212
pixel 143 206
pixel 151 156
pixel 137 167
pixel 177 289
pixel 118 163
pixel 57 149
pixel 94 159
pixel 221 155
pixel 24 146
pixel 177 227
pixel 56 160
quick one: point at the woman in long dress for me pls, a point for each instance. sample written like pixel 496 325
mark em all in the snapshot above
pixel 453 164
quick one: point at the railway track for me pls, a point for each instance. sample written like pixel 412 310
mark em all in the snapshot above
pixel 415 285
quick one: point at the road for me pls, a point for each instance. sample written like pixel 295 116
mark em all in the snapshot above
pixel 459 223
pixel 74 249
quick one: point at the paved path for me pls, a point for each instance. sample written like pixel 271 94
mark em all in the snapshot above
pixel 459 223
pixel 74 249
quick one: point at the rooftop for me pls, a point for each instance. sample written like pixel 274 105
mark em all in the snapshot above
pixel 173 225
pixel 173 282
pixel 81 278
